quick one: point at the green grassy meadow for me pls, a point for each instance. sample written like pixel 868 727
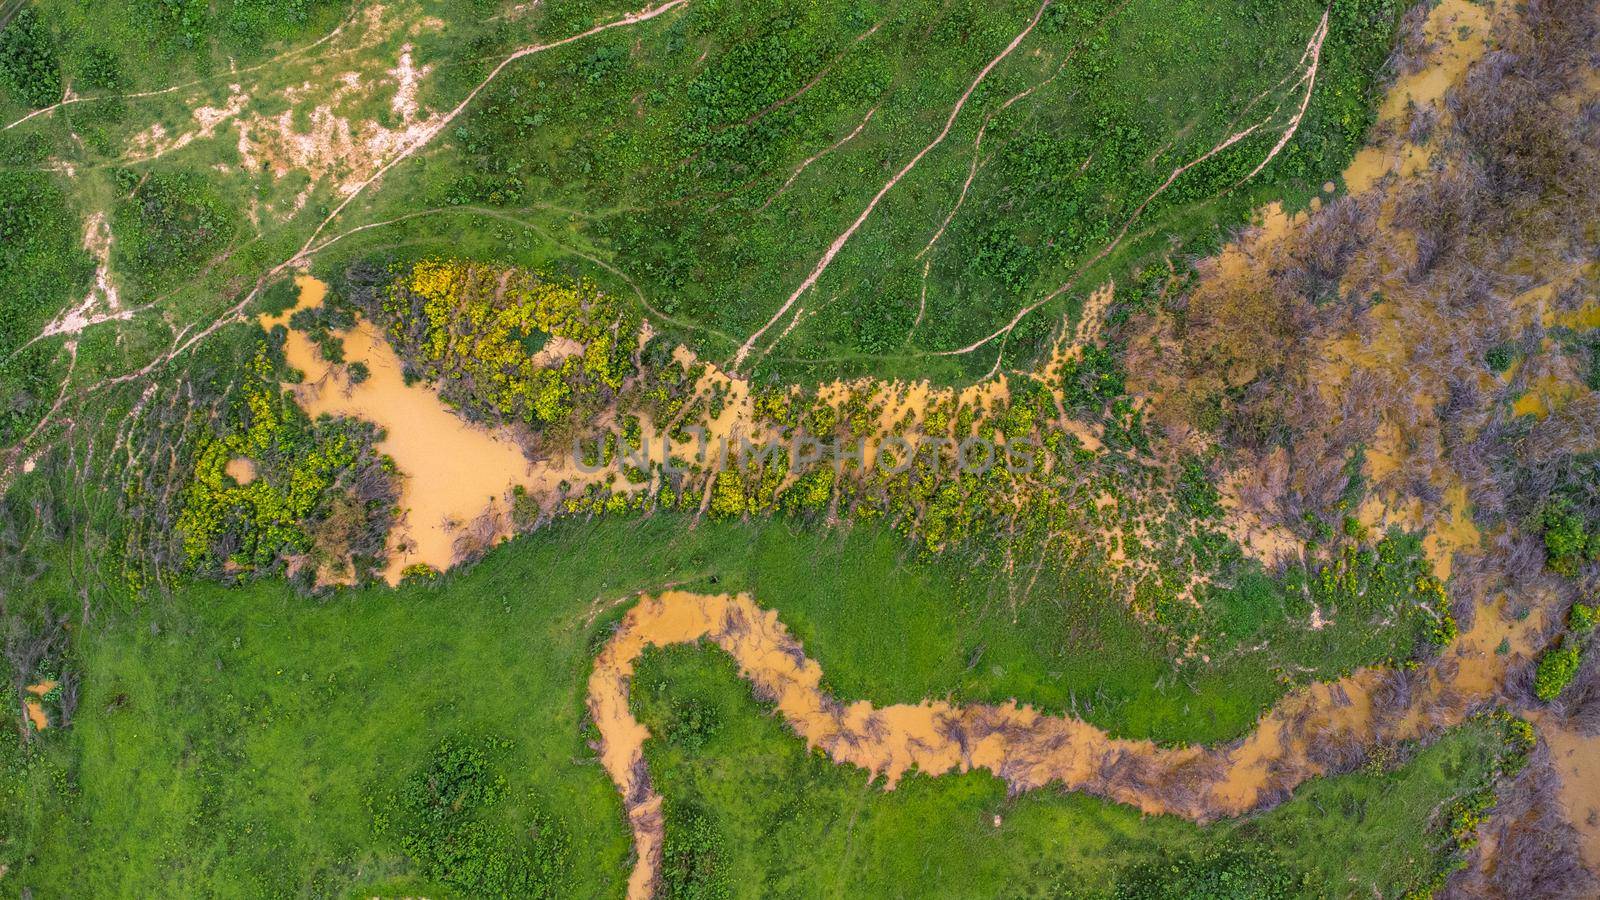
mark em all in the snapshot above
pixel 241 741
pixel 657 158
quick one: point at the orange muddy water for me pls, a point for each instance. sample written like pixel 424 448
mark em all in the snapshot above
pixel 457 477
pixel 453 471
pixel 34 708
pixel 1459 32
pixel 1576 759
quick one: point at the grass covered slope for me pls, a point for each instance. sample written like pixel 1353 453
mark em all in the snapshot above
pixel 878 184
pixel 700 159
pixel 248 742
pixel 900 180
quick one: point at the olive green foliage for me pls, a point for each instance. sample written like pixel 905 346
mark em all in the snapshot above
pixel 28 63
pixel 1225 873
pixel 1500 357
pixel 1473 807
pixel 101 69
pixel 1388 581
pixel 167 225
pixel 1092 379
pixel 438 818
pixel 41 264
pixel 41 260
pixel 242 24
pixel 1591 372
pixel 319 325
pixel 1582 618
pixel 1197 495
pixel 321 494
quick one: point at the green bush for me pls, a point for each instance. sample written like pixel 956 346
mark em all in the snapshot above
pixel 28 60
pixel 168 224
pixel 321 491
pixel 1581 618
pixel 1500 357
pixel 1568 541
pixel 1092 380
pixel 691 856
pixel 100 69
pixel 1557 668
pixel 1239 873
pixel 437 818
pixel 41 256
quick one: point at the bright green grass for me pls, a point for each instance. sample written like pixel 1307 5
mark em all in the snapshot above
pixel 229 738
pixel 793 824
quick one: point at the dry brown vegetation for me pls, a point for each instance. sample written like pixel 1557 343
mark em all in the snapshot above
pixel 1529 848
pixel 1379 308
pixel 1366 327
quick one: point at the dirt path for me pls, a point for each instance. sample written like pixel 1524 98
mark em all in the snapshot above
pixel 1308 65
pixel 1307 734
pixel 438 126
pixel 71 99
pixel 818 155
pixel 844 237
pixel 192 335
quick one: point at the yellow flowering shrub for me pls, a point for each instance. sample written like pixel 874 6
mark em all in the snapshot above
pixel 471 328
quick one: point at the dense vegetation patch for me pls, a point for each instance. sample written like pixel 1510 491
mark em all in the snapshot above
pixel 41 262
pixel 1558 665
pixel 320 502
pixel 691 856
pixel 475 331
pixel 41 266
pixel 28 63
pixel 242 24
pixel 437 817
pixel 167 226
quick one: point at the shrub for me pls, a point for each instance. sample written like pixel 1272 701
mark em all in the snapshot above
pixel 1196 494
pixel 468 327
pixel 28 60
pixel 41 260
pixel 1500 357
pixel 167 225
pixel 1557 668
pixel 1231 873
pixel 691 856
pixel 1581 618
pixel 321 493
pixel 100 69
pixel 1092 379
pixel 1568 542
pixel 437 818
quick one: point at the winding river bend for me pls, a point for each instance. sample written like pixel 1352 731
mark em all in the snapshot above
pixel 1308 733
